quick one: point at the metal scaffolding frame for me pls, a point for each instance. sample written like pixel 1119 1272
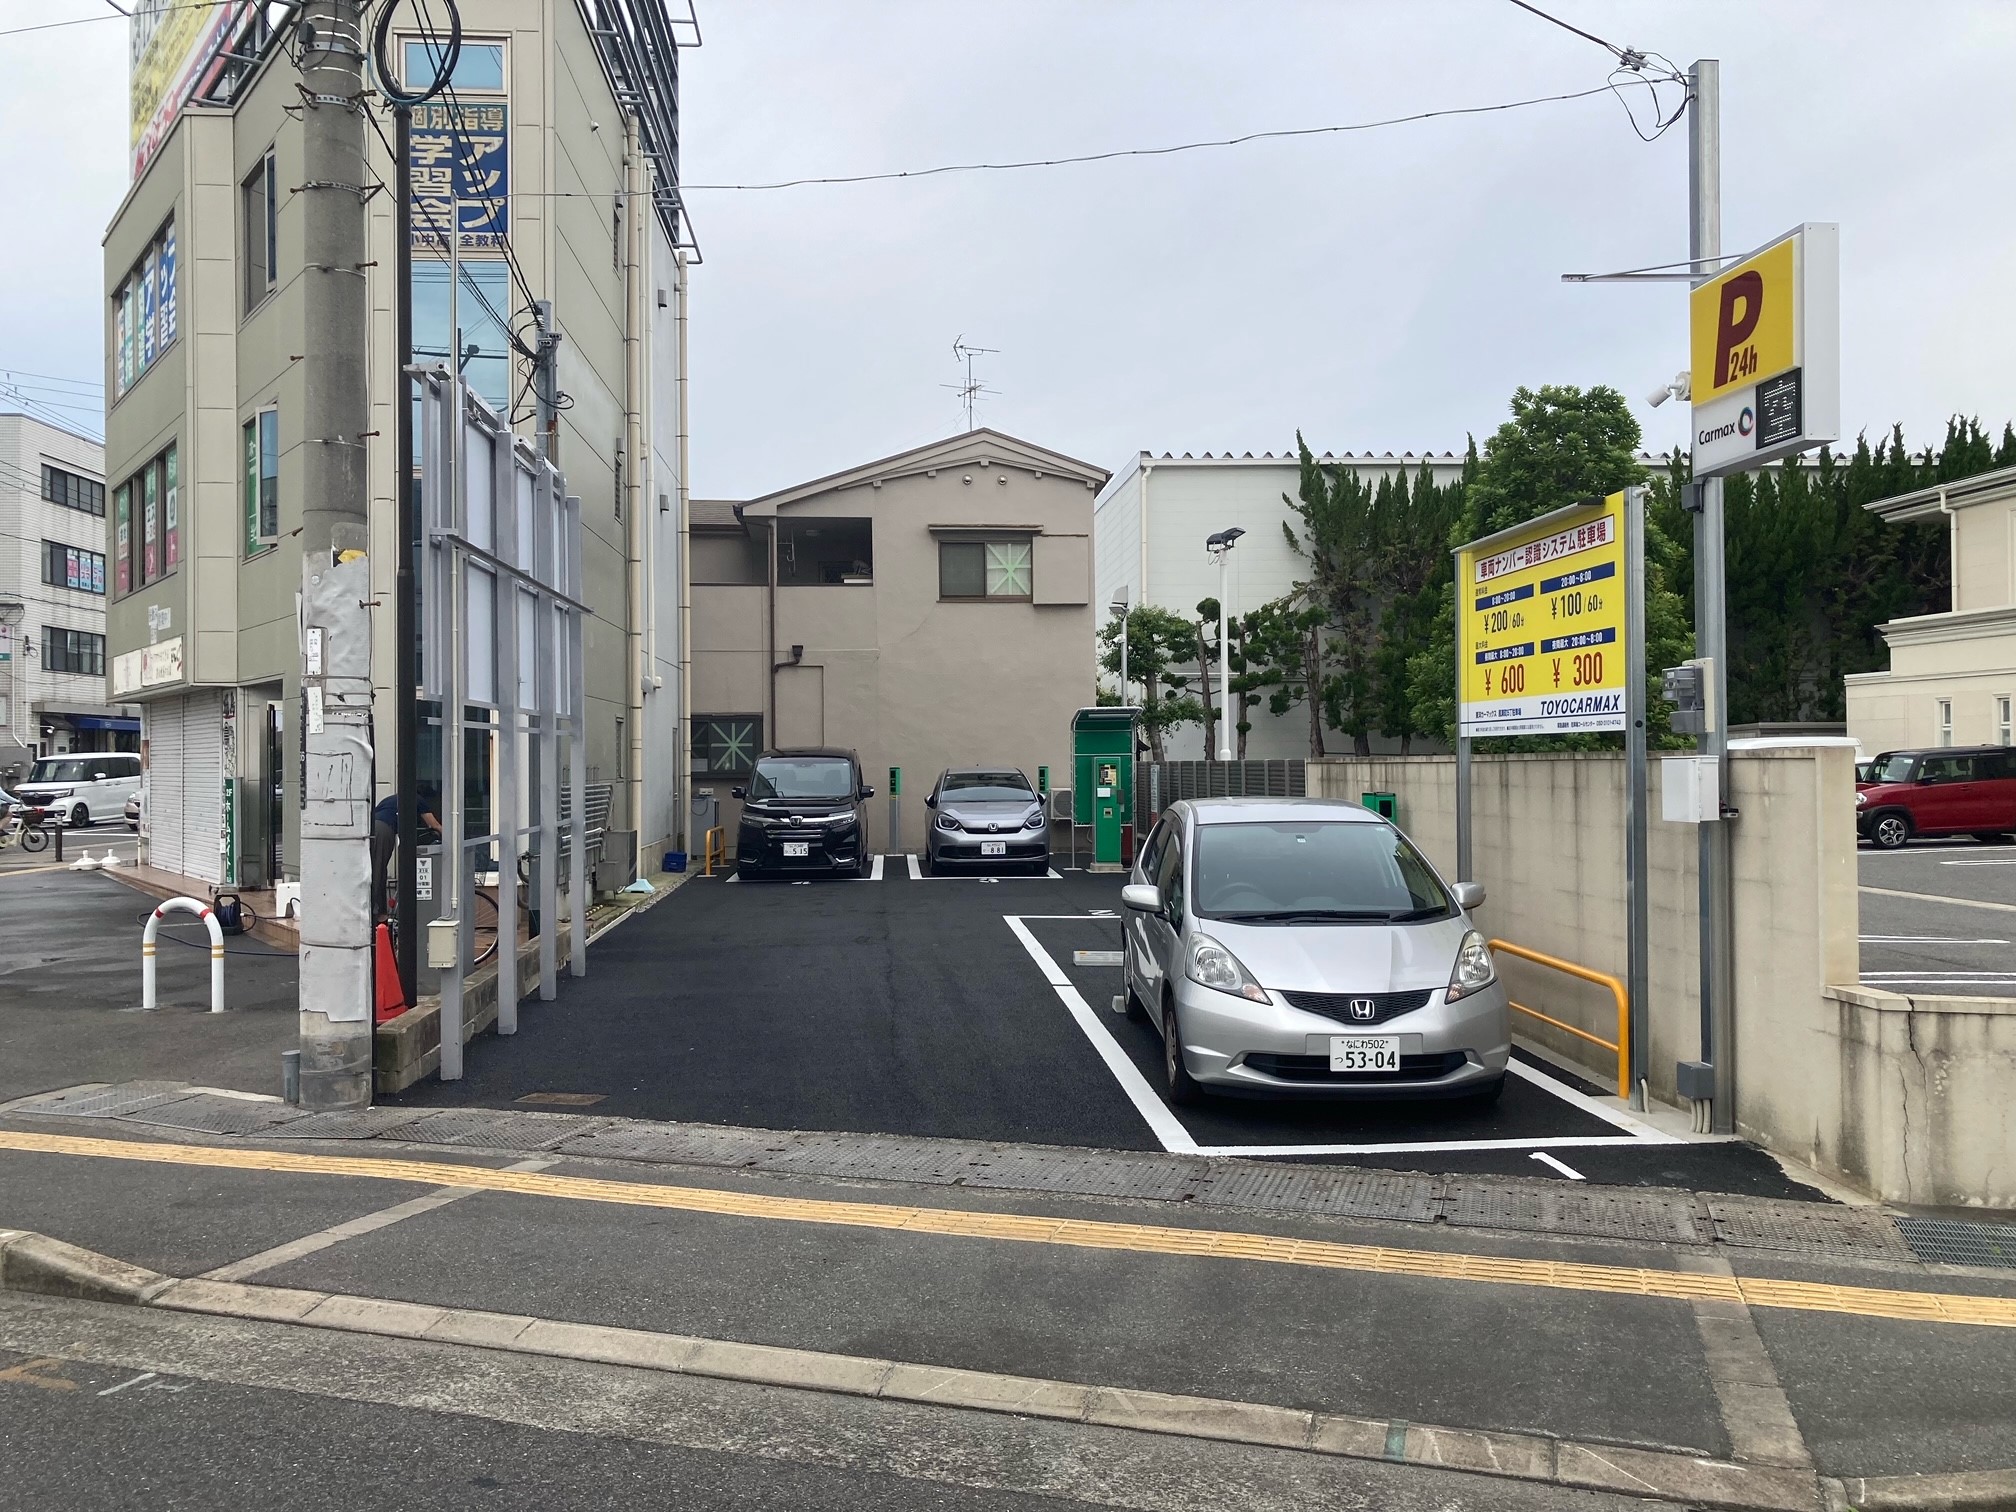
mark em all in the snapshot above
pixel 501 640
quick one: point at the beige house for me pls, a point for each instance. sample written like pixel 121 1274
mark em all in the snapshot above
pixel 928 610
pixel 1952 676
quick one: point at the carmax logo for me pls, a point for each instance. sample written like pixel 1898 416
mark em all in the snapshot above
pixel 1742 425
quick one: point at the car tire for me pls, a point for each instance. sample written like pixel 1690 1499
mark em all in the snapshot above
pixel 865 867
pixel 1137 1011
pixel 1180 1087
pixel 1890 830
pixel 1487 1097
pixel 80 817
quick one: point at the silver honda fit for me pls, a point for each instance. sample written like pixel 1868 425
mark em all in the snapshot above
pixel 1298 947
pixel 986 816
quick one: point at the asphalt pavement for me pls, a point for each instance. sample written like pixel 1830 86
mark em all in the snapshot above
pixel 927 1007
pixel 1938 917
pixel 70 993
pixel 95 840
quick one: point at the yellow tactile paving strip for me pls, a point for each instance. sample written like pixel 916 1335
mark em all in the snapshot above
pixel 1076 1233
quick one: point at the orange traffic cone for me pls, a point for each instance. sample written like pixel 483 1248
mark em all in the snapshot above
pixel 391 996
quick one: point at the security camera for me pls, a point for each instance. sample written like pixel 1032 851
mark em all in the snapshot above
pixel 1681 387
pixel 1659 395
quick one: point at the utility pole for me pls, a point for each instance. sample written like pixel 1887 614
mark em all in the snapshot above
pixel 336 930
pixel 1718 975
pixel 405 614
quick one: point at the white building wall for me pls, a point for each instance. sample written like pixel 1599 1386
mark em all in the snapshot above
pixel 661 826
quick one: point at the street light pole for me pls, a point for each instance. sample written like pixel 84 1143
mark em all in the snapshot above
pixel 1120 608
pixel 1220 546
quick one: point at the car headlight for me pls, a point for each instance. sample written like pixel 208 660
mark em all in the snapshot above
pixel 846 818
pixel 1035 819
pixel 761 821
pixel 1213 966
pixel 1474 970
pixel 1860 799
pixel 947 822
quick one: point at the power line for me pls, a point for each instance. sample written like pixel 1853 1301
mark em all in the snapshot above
pixel 1137 152
pixel 82 383
pixel 15 31
pixel 1623 55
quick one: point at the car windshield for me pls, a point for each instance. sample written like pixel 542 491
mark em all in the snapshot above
pixel 1311 871
pixel 803 777
pixel 985 787
pixel 1891 766
pixel 69 769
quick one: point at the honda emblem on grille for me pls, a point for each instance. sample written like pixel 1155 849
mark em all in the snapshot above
pixel 1364 1009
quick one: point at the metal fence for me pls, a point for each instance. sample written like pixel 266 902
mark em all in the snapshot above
pixel 1157 784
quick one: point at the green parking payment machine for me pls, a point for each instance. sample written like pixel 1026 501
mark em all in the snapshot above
pixel 1102 771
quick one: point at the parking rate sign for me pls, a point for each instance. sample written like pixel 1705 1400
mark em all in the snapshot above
pixel 1540 620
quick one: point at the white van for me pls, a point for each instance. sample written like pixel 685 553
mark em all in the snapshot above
pixel 80 787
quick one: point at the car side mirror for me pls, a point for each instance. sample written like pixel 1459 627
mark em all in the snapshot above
pixel 867 792
pixel 738 792
pixel 1142 897
pixel 97 776
pixel 931 801
pixel 1468 895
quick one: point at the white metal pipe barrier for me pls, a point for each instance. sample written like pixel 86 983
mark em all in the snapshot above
pixel 148 948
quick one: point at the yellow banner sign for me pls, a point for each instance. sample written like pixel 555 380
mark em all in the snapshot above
pixel 1540 617
pixel 1743 322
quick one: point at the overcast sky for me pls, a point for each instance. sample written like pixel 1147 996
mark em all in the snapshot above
pixel 1382 289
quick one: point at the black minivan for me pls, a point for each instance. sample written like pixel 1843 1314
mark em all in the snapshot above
pixel 802 813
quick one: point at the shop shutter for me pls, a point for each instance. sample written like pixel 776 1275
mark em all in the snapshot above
pixel 161 720
pixel 203 786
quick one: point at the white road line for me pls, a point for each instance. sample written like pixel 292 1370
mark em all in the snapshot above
pixel 1425 1146
pixel 1595 1108
pixel 145 1375
pixel 874 873
pixel 1978 863
pixel 917 875
pixel 1925 940
pixel 1892 892
pixel 1566 1170
pixel 1161 1122
pixel 309 1244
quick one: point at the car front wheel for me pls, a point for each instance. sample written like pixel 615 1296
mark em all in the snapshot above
pixel 80 817
pixel 1181 1086
pixel 1890 831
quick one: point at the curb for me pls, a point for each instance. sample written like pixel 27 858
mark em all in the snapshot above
pixel 1970 1491
pixel 50 1268
pixel 33 1263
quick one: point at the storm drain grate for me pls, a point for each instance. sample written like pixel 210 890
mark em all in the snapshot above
pixel 937 1162
pixel 1808 1227
pixel 363 1123
pixel 1291 1189
pixel 1083 1175
pixel 1568 1210
pixel 217 1115
pixel 103 1102
pixel 497 1129
pixel 1949 1241
pixel 675 1144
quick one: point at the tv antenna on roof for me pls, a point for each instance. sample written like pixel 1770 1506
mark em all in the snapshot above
pixel 972 390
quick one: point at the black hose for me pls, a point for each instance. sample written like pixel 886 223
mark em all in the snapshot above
pixel 204 944
pixel 388 76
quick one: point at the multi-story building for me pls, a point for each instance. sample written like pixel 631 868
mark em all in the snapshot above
pixel 1952 676
pixel 553 157
pixel 52 598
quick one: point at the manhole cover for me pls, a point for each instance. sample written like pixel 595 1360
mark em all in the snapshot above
pixel 105 1102
pixel 1303 1189
pixel 217 1115
pixel 362 1123
pixel 497 1129
pixel 1573 1210
pixel 1809 1227
pixel 1949 1241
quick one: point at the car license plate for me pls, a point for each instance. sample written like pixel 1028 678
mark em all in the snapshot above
pixel 993 847
pixel 1364 1052
pixel 796 849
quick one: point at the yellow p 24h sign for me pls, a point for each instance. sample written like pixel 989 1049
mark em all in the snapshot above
pixel 1742 323
pixel 1540 626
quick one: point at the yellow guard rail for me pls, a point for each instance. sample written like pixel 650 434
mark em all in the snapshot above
pixel 1622 1044
pixel 716 843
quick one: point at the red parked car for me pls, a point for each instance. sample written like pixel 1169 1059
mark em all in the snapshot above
pixel 1950 790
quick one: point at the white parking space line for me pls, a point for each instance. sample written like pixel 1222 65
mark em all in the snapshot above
pixel 917 874
pixel 1925 940
pixel 1566 1170
pixel 2010 862
pixel 1178 1140
pixel 1892 892
pixel 1154 1112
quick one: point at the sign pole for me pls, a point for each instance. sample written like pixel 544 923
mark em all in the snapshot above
pixel 1718 976
pixel 1463 858
pixel 1637 893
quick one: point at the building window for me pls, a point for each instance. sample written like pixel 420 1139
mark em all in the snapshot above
pixel 259 195
pixel 480 65
pixel 726 745
pixel 2002 730
pixel 73 651
pixel 147 527
pixel 262 481
pixel 1944 708
pixel 482 303
pixel 73 567
pixel 144 310
pixel 984 569
pixel 823 549
pixel 73 491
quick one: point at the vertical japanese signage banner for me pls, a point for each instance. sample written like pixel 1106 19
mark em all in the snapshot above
pixel 1540 626
pixel 175 45
pixel 461 175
